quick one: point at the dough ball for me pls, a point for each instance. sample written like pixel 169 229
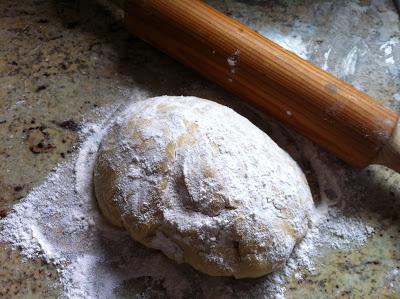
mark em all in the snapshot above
pixel 202 184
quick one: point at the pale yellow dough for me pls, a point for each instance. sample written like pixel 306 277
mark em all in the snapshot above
pixel 202 184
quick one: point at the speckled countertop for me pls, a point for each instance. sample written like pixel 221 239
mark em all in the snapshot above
pixel 61 59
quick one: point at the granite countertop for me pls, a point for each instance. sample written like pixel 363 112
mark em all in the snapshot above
pixel 61 59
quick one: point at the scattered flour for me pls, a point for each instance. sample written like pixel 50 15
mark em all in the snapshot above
pixel 326 59
pixel 293 42
pixel 387 47
pixel 348 66
pixel 59 221
pixel 389 60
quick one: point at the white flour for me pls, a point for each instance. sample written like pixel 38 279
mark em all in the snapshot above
pixel 60 222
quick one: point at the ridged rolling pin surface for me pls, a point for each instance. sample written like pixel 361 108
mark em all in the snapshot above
pixel 332 113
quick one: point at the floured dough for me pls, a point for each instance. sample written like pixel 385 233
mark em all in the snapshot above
pixel 202 184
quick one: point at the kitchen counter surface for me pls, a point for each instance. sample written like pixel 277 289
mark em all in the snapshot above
pixel 59 60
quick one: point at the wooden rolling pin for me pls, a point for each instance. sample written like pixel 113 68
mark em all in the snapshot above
pixel 332 113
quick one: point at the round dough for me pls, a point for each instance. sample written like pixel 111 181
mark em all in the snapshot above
pixel 202 184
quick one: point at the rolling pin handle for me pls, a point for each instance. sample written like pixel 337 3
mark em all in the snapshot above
pixel 389 155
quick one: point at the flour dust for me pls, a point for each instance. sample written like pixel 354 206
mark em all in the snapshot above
pixel 59 221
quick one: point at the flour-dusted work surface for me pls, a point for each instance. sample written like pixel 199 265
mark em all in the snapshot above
pixel 67 65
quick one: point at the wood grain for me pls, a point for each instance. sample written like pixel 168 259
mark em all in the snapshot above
pixel 332 113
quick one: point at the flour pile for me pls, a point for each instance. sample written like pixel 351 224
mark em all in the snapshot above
pixel 59 221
